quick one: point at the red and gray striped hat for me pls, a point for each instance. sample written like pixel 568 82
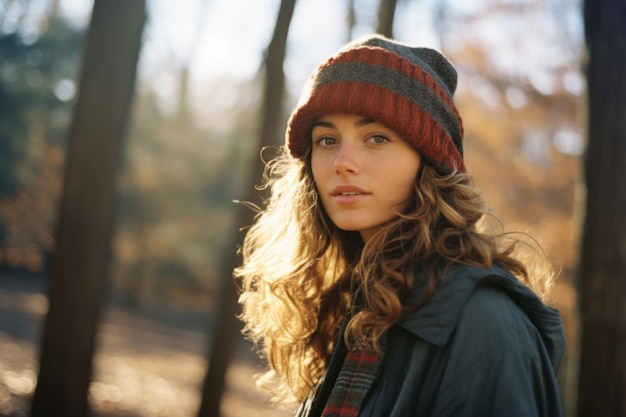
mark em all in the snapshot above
pixel 408 89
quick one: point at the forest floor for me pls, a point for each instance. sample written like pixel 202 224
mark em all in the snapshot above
pixel 143 366
pixel 147 364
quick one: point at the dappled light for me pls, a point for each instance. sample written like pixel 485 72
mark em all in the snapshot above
pixel 145 367
pixel 192 146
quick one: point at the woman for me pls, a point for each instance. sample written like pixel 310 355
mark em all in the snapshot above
pixel 369 280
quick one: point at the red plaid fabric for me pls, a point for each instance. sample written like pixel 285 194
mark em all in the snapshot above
pixel 353 382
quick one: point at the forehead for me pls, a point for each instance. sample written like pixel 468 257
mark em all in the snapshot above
pixel 334 121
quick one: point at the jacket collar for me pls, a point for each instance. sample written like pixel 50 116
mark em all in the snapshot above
pixel 435 321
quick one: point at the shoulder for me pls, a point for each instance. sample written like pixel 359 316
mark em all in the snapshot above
pixel 489 304
pixel 490 319
pixel 457 286
pixel 497 361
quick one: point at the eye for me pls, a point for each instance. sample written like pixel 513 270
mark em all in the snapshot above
pixel 325 141
pixel 378 139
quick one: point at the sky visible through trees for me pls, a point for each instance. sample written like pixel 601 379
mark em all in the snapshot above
pixel 190 147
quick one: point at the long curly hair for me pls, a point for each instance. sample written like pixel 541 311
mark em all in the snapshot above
pixel 300 274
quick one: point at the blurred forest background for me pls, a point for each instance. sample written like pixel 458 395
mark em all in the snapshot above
pixel 192 143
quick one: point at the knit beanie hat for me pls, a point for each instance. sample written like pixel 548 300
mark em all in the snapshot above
pixel 408 89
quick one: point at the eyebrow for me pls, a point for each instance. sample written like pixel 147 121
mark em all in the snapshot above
pixel 358 123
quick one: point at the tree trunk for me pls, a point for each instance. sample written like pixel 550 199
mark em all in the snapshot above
pixel 183 108
pixel 223 340
pixel 386 12
pixel 79 267
pixel 350 20
pixel 602 376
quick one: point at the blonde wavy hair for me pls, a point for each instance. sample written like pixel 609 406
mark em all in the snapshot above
pixel 300 273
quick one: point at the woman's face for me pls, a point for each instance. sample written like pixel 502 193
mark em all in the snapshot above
pixel 364 172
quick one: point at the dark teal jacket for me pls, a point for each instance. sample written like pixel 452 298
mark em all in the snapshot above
pixel 483 346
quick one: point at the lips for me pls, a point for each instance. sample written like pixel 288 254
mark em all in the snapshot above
pixel 347 190
pixel 348 194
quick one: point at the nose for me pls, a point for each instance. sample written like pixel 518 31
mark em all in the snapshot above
pixel 346 161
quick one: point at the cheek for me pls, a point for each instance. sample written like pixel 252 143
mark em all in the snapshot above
pixel 318 183
pixel 317 170
pixel 404 192
pixel 408 178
